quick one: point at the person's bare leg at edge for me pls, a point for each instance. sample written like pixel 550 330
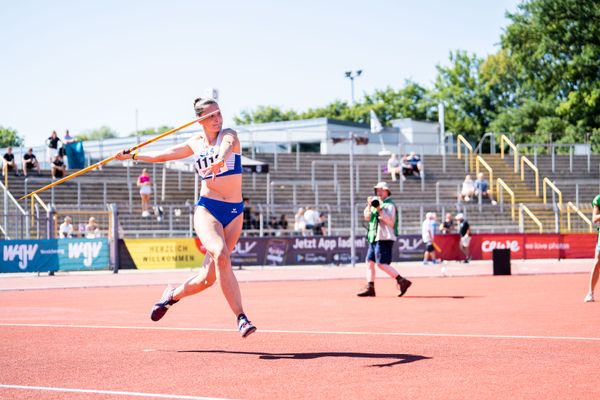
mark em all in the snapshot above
pixel 217 265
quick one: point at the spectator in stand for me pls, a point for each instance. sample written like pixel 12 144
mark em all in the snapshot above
pixel 247 224
pixel 8 162
pixel 465 236
pixel 311 217
pixel 481 186
pixel 30 162
pixel 92 230
pixel 273 225
pixel 447 226
pixel 393 167
pixel 468 189
pixel 68 138
pixel 57 168
pixel 145 186
pixel 415 163
pixel 66 228
pixel 52 143
pixel 299 223
pixel 283 223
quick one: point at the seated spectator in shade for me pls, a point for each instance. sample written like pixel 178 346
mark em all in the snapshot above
pixel 30 162
pixel 66 228
pixel 393 166
pixel 9 163
pixel 92 230
pixel 57 167
pixel 415 162
pixel 448 225
pixel 481 186
pixel 282 222
pixel 468 189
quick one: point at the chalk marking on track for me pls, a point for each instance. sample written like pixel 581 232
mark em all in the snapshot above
pixel 168 328
pixel 109 392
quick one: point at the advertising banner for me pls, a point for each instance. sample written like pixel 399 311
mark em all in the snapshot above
pixel 522 246
pixel 53 255
pixel 316 250
pixel 165 253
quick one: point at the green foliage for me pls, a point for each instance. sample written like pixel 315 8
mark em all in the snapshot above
pixel 104 132
pixel 9 137
pixel 542 86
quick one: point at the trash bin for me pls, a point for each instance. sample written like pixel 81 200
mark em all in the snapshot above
pixel 501 259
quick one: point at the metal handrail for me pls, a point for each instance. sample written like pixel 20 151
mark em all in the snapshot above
pixel 548 182
pixel 505 139
pixel 461 139
pixel 492 136
pixel 35 198
pixel 535 219
pixel 572 206
pixel 525 160
pixel 500 183
pixel 5 173
pixel 480 160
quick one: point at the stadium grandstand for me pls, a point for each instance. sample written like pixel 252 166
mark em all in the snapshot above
pixel 288 165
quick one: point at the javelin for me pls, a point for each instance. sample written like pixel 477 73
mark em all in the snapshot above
pixel 99 163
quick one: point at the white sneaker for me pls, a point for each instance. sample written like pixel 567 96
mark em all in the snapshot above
pixel 589 298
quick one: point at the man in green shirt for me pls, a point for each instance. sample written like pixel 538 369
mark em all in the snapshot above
pixel 382 214
pixel 596 271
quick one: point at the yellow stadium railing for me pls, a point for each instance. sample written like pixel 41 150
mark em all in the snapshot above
pixel 532 216
pixel 571 206
pixel 480 160
pixel 525 161
pixel 35 198
pixel 501 184
pixel 461 139
pixel 548 182
pixel 505 139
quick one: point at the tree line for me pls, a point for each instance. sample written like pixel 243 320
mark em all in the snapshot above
pixel 542 85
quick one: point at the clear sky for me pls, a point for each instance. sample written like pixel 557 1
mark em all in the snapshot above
pixel 81 64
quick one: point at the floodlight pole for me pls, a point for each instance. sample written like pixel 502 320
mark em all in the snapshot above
pixel 352 211
pixel 351 75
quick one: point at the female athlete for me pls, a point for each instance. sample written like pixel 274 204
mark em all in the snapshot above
pixel 219 216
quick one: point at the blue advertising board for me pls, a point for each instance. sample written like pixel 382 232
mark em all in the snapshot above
pixel 54 255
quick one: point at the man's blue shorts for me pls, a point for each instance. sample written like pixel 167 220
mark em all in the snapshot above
pixel 380 252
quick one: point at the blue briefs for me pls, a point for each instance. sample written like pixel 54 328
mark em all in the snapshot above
pixel 223 211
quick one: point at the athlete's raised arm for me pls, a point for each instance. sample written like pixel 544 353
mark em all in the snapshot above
pixel 175 152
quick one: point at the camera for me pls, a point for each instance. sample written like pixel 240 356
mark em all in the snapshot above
pixel 375 203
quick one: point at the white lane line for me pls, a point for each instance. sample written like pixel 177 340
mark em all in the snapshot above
pixel 167 328
pixel 110 392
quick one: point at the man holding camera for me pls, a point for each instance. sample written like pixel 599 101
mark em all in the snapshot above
pixel 382 215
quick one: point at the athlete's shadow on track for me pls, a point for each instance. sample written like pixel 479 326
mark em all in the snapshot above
pixel 441 297
pixel 400 358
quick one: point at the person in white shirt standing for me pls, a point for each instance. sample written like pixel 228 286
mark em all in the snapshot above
pixel 427 233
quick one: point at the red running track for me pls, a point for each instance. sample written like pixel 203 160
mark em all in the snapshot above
pixel 526 337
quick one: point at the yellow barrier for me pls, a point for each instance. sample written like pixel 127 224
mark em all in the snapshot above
pixel 505 139
pixel 459 139
pixel 556 190
pixel 525 160
pixel 582 215
pixel 501 183
pixel 37 198
pixel 532 216
pixel 480 160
